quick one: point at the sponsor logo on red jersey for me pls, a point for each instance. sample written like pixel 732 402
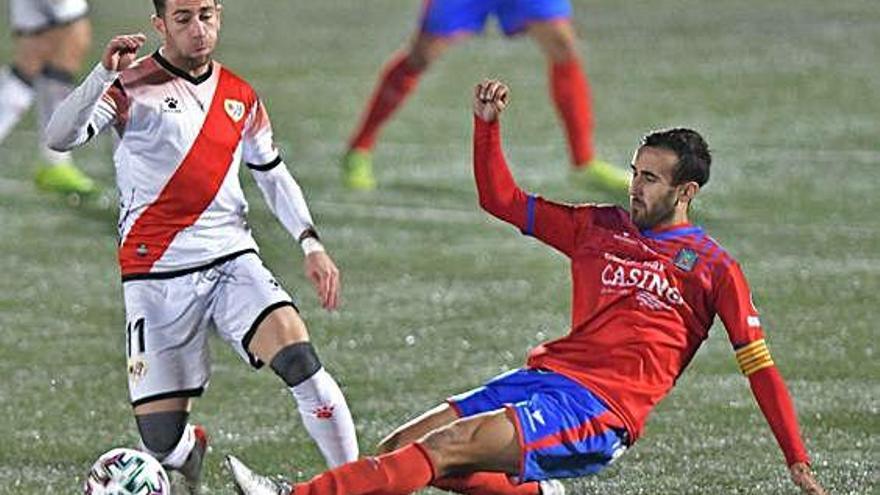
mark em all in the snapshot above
pixel 646 276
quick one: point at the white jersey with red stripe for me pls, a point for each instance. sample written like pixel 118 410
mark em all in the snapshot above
pixel 181 140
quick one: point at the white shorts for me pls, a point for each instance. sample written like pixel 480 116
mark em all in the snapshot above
pixel 34 16
pixel 167 323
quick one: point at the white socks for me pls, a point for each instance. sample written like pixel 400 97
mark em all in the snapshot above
pixel 16 97
pixel 179 455
pixel 326 416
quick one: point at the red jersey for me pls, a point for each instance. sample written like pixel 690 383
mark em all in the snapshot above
pixel 642 301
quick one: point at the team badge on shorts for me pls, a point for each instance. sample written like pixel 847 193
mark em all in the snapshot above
pixel 137 368
pixel 235 109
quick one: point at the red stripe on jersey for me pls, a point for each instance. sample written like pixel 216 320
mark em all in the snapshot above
pixel 194 184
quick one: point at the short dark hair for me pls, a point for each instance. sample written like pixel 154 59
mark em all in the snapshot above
pixel 694 157
pixel 160 6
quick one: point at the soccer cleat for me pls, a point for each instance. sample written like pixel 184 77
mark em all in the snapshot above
pixel 602 175
pixel 64 178
pixel 552 487
pixel 357 170
pixel 248 482
pixel 192 468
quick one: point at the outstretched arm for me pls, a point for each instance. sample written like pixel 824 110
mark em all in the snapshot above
pixel 741 319
pixel 775 402
pixel 553 223
pixel 87 111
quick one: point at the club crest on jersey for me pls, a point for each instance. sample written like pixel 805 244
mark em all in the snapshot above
pixel 686 259
pixel 235 109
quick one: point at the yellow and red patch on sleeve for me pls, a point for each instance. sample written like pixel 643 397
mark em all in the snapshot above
pixel 753 356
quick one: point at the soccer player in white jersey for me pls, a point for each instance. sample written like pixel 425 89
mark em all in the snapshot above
pixel 51 39
pixel 184 123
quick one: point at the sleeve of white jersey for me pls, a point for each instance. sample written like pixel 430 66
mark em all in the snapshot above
pixel 84 113
pixel 281 192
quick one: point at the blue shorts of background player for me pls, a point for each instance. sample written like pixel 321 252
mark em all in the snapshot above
pixel 448 18
pixel 564 430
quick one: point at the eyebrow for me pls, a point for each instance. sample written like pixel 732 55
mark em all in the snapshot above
pixel 188 11
pixel 644 172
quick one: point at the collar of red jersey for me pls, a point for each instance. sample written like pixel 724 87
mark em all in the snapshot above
pixel 671 231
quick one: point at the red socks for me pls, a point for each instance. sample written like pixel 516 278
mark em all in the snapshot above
pixel 571 94
pixel 486 484
pixel 401 472
pixel 396 83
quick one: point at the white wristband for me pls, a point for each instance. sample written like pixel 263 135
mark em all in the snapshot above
pixel 311 245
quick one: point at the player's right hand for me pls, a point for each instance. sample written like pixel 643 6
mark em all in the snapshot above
pixel 490 99
pixel 121 51
pixel 324 275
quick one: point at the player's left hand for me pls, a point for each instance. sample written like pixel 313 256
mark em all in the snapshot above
pixel 802 476
pixel 324 275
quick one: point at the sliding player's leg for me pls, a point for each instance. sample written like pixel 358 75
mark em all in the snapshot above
pixel 484 442
pixel 484 483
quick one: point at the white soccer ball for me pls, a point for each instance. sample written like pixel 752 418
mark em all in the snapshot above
pixel 127 472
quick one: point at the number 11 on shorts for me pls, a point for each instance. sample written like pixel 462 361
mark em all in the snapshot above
pixel 135 341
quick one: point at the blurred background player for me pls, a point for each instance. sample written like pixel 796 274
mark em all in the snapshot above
pixel 189 263
pixel 548 22
pixel 51 40
pixel 646 286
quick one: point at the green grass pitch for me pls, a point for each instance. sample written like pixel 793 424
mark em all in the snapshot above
pixel 437 296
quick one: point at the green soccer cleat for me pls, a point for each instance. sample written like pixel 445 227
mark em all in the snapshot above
pixel 357 171
pixel 602 175
pixel 64 178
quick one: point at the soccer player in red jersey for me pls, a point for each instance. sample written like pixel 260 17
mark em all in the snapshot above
pixel 443 22
pixel 647 285
pixel 184 124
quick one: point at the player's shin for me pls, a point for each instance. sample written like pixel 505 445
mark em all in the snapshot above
pixel 485 483
pixel 401 472
pixel 52 87
pixel 177 444
pixel 397 81
pixel 320 401
pixel 570 91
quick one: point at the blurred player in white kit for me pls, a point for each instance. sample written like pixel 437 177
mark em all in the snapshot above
pixel 51 38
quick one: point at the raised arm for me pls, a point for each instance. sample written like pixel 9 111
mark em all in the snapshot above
pixel 93 105
pixel 734 303
pixel 287 202
pixel 553 223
